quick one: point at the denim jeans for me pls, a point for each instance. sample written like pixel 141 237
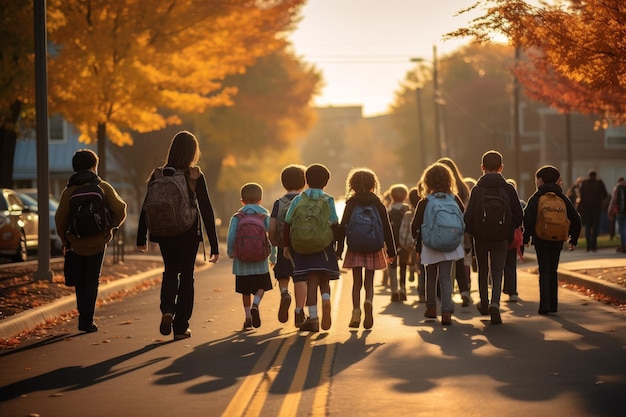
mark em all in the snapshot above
pixel 491 258
pixel 621 225
pixel 177 287
pixel 439 273
pixel 88 271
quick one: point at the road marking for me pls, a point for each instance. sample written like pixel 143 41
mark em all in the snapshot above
pixel 244 394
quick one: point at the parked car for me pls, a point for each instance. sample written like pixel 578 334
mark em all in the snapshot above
pixel 29 198
pixel 18 226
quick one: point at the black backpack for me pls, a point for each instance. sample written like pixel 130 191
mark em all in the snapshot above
pixel 89 214
pixel 492 216
pixel 395 218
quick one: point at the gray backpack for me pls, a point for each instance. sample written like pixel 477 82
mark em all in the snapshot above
pixel 170 207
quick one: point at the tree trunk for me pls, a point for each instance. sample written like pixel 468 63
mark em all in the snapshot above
pixel 8 140
pixel 102 138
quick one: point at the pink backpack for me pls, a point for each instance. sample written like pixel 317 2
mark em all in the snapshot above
pixel 251 242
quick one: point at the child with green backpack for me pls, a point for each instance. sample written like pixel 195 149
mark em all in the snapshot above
pixel 309 234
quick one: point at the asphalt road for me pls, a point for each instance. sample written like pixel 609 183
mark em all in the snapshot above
pixel 568 364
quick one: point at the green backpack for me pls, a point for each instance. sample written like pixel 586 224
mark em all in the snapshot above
pixel 310 230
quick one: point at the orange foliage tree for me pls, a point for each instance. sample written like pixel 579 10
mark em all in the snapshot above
pixel 138 64
pixel 575 54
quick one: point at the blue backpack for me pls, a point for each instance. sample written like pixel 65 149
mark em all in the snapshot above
pixel 443 225
pixel 364 232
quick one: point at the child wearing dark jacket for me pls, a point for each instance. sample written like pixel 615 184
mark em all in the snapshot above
pixel 548 179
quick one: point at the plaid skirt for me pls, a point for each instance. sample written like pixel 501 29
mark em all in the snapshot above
pixel 371 260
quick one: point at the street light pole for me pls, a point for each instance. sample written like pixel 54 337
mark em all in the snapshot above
pixel 436 98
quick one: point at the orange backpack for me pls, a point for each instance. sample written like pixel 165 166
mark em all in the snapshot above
pixel 552 222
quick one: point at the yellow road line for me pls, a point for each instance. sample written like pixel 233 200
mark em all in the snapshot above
pixel 244 394
pixel 258 400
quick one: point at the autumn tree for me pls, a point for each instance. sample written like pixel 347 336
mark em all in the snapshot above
pixel 17 78
pixel 575 55
pixel 137 65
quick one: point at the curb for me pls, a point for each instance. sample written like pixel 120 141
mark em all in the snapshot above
pixel 614 291
pixel 17 323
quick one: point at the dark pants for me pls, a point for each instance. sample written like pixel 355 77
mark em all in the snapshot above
pixel 88 272
pixel 591 220
pixel 510 273
pixel 491 257
pixel 177 287
pixel 548 263
pixel 461 276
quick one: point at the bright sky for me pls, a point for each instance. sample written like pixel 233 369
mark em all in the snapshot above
pixel 363 47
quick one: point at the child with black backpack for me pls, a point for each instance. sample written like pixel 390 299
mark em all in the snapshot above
pixel 249 247
pixel 86 252
pixel 491 217
pixel 366 226
pixel 438 229
pixel 293 180
pixel 310 226
pixel 550 219
pixel 396 211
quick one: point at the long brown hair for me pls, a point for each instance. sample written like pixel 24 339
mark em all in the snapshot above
pixel 184 151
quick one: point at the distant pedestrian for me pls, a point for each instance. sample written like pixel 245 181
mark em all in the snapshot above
pixel 293 181
pixel 398 268
pixel 491 216
pixel 548 252
pixel 617 210
pixel 88 251
pixel 514 251
pixel 363 191
pixel 252 277
pixel 612 211
pixel 314 257
pixel 439 184
pixel 179 248
pixel 592 196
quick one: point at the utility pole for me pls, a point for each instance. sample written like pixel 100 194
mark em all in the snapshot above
pixel 517 146
pixel 420 119
pixel 436 99
pixel 43 271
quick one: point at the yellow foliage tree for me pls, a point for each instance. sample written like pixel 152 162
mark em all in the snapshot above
pixel 138 64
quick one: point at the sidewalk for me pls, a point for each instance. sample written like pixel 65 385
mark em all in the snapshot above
pixel 570 263
pixel 580 260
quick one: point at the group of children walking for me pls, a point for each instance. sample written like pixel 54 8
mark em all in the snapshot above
pixel 435 236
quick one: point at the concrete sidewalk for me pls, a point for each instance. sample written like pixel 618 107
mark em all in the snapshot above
pixel 570 263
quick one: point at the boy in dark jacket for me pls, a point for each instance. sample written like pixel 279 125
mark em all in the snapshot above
pixel 547 179
pixel 491 250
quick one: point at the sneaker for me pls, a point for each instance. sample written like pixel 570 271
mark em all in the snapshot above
pixel 513 298
pixel 182 336
pixel 247 325
pixel 166 324
pixel 368 321
pixel 430 313
pixel 395 297
pixel 310 325
pixel 256 318
pixel 402 295
pixel 494 312
pixel 446 318
pixel 355 321
pixel 299 318
pixel 467 300
pixel 482 308
pixel 326 319
pixel 89 328
pixel 283 310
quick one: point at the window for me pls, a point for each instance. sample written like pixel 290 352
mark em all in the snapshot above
pixel 56 128
pixel 615 137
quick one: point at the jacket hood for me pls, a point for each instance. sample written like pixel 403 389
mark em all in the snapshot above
pixel 83 177
pixel 491 181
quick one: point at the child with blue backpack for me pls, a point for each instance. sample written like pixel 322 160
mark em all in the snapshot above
pixel 310 226
pixel 249 248
pixel 366 226
pixel 438 229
